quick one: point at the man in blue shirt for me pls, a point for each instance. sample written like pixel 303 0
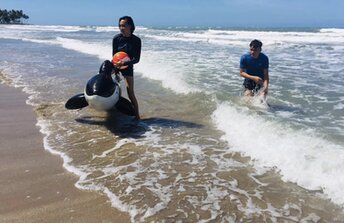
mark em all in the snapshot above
pixel 254 67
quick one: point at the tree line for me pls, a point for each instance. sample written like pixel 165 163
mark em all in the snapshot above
pixel 12 16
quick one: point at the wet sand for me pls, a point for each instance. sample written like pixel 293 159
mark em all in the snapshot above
pixel 34 187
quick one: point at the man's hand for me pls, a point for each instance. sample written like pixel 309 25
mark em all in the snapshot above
pixel 258 80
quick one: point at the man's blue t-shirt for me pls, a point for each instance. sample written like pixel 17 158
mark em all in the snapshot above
pixel 254 66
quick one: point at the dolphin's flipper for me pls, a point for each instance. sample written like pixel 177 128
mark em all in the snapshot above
pixel 76 102
pixel 125 106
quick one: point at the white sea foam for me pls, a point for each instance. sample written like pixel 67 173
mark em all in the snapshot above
pixel 114 28
pixel 45 126
pixel 102 51
pixel 40 28
pixel 155 67
pixel 333 30
pixel 243 37
pixel 213 36
pixel 339 106
pixel 300 156
pixel 119 144
pixel 105 29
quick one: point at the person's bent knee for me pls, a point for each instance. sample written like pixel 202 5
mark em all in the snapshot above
pixel 248 92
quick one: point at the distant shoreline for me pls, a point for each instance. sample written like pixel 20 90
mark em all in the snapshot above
pixel 235 28
pixel 16 24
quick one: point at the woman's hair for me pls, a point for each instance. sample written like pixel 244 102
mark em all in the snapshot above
pixel 130 22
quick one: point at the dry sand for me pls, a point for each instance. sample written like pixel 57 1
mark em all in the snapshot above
pixel 34 187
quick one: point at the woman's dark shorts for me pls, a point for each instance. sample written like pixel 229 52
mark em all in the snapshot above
pixel 128 72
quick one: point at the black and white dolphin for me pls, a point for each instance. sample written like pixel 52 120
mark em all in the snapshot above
pixel 102 93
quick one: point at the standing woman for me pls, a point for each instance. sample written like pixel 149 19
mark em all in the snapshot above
pixel 127 42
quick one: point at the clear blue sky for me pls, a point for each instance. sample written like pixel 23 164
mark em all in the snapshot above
pixel 224 13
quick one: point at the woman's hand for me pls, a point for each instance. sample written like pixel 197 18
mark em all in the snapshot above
pixel 119 64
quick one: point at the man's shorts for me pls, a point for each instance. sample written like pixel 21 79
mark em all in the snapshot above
pixel 251 85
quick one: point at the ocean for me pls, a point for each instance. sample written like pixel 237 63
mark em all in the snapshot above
pixel 202 152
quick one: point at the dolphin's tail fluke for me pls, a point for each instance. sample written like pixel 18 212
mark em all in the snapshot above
pixel 76 102
pixel 124 105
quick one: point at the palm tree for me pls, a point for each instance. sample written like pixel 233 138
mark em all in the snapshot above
pixel 12 16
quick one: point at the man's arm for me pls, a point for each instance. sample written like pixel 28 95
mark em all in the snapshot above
pixel 266 81
pixel 256 79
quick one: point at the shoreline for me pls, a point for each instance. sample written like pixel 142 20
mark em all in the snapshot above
pixel 34 186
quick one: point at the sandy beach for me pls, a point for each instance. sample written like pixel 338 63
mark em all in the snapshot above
pixel 34 187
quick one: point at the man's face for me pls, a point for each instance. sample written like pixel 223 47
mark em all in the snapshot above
pixel 255 51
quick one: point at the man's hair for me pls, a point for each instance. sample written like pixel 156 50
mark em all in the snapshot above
pixel 256 43
pixel 130 22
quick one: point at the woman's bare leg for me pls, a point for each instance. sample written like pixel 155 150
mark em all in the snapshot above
pixel 131 94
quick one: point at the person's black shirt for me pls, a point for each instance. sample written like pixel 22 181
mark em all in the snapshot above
pixel 131 45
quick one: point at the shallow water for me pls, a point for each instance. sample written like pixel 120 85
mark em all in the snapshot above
pixel 201 152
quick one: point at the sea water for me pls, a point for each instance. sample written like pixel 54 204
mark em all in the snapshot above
pixel 202 152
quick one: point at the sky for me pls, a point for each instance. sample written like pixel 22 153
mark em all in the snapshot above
pixel 196 13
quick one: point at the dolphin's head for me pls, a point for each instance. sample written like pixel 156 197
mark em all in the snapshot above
pixel 106 68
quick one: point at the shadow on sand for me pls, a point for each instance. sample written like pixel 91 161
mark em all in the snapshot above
pixel 128 127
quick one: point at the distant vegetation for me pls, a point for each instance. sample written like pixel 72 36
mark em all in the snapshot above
pixel 12 16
